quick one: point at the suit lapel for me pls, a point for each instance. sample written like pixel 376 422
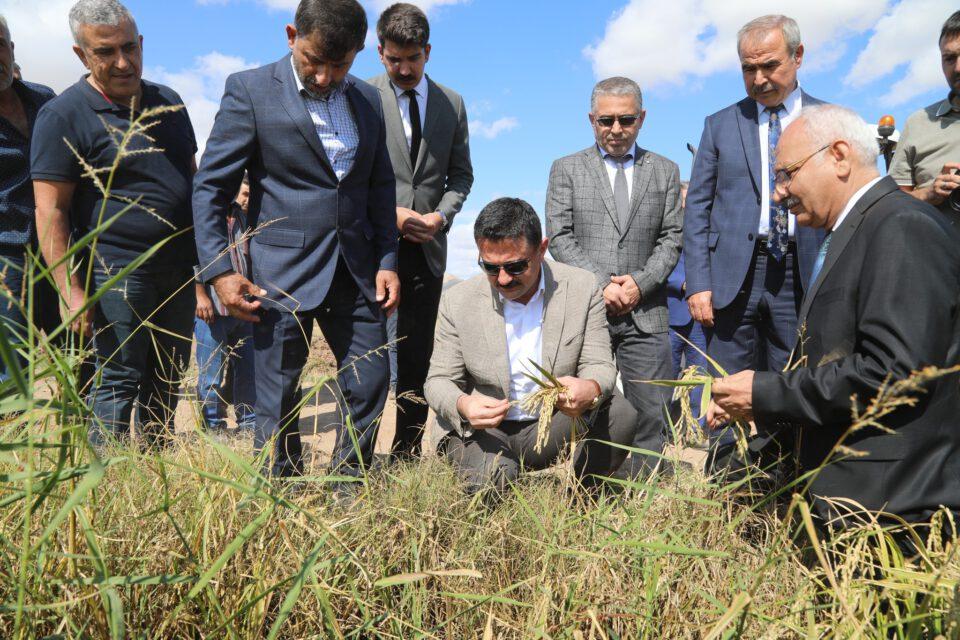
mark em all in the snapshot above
pixel 841 238
pixel 596 166
pixel 391 115
pixel 642 171
pixel 554 312
pixel 747 120
pixel 495 333
pixel 293 104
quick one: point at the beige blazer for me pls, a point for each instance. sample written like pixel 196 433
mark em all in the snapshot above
pixel 470 344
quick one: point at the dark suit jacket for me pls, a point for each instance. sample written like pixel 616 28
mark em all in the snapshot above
pixel 723 205
pixel 443 174
pixel 885 304
pixel 308 217
pixel 677 306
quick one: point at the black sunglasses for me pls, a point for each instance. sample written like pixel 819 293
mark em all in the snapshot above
pixel 625 121
pixel 514 268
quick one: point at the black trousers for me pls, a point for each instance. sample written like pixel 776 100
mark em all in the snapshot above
pixel 420 293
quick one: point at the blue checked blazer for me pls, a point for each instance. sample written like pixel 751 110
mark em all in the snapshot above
pixel 723 206
pixel 305 219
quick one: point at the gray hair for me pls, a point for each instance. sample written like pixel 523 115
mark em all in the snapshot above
pixel 765 24
pixel 108 12
pixel 4 26
pixel 616 86
pixel 827 123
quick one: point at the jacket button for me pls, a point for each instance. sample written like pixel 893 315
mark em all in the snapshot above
pixel 759 200
pixel 620 245
pixel 750 237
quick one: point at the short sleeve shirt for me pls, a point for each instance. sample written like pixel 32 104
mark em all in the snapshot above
pixel 161 179
pixel 929 140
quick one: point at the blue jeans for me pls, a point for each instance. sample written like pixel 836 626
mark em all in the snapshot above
pixel 226 337
pixel 138 365
pixel 685 356
pixel 11 313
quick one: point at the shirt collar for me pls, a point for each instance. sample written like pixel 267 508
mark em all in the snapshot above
pixel 539 293
pixel 791 105
pixel 946 106
pixel 852 202
pixel 421 88
pixel 632 156
pixel 99 102
pixel 302 90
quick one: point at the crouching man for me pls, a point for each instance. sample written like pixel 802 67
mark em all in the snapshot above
pixel 491 327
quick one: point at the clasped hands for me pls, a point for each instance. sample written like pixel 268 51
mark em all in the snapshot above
pixel 416 227
pixel 621 296
pixel 484 412
pixel 731 399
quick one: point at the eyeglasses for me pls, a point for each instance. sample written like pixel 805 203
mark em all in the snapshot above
pixel 782 177
pixel 625 121
pixel 514 268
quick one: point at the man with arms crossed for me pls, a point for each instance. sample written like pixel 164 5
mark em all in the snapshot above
pixel 490 327
pixel 428 141
pixel 614 210
pixel 322 201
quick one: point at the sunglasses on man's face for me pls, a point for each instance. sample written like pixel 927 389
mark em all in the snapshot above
pixel 514 268
pixel 625 121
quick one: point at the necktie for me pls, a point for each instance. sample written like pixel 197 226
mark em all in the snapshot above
pixel 778 231
pixel 621 194
pixel 416 134
pixel 821 256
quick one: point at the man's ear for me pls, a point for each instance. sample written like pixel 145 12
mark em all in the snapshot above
pixel 543 247
pixel 291 35
pixel 80 54
pixel 426 52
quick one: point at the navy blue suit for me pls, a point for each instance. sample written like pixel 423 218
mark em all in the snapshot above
pixel 755 299
pixel 318 245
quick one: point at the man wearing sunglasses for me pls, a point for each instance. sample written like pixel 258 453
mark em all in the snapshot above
pixel 747 261
pixel 614 210
pixel 882 303
pixel 491 331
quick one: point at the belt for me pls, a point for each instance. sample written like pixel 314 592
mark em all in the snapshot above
pixel 762 246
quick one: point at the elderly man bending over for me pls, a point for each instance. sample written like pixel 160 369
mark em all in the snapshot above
pixel 490 328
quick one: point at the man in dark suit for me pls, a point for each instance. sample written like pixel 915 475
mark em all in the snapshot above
pixel 746 264
pixel 883 246
pixel 322 201
pixel 428 141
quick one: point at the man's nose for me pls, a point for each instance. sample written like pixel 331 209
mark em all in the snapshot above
pixel 122 62
pixel 323 75
pixel 779 193
pixel 503 278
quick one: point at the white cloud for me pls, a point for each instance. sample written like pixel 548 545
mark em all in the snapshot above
pixel 683 41
pixel 904 42
pixel 43 42
pixel 374 5
pixel 201 87
pixel 491 130
pixel 461 248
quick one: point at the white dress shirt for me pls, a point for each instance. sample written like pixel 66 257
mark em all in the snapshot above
pixel 404 103
pixel 524 324
pixel 852 202
pixel 793 106
pixel 611 166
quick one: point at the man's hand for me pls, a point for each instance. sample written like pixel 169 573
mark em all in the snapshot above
pixel 701 307
pixel 403 215
pixel 732 397
pixel 76 300
pixel 388 290
pixel 205 309
pixel 629 292
pixel 943 184
pixel 579 396
pixel 231 287
pixel 482 412
pixel 420 228
pixel 613 299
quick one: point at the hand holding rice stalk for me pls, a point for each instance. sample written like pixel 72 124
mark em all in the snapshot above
pixel 542 402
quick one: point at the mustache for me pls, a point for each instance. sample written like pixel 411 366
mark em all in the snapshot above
pixel 790 202
pixel 762 88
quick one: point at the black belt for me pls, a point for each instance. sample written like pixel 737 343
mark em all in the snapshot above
pixel 762 246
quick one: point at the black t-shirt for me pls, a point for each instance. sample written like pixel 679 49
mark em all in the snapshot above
pixel 163 179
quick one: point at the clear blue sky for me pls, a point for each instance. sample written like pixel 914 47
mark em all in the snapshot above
pixel 526 68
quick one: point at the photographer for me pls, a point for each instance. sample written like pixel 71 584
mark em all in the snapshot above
pixel 927 160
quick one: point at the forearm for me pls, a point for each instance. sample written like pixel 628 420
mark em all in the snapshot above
pixel 53 236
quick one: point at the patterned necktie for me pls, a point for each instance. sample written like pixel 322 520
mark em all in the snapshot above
pixel 416 134
pixel 621 193
pixel 778 231
pixel 821 256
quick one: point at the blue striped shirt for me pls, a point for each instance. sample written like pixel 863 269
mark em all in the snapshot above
pixel 333 119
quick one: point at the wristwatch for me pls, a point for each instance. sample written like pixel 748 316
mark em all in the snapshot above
pixel 596 401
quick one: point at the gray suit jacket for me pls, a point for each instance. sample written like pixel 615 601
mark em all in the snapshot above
pixel 443 175
pixel 470 347
pixel 584 227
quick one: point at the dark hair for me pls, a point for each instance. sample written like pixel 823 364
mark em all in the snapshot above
pixel 341 25
pixel 508 219
pixel 951 28
pixel 404 24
